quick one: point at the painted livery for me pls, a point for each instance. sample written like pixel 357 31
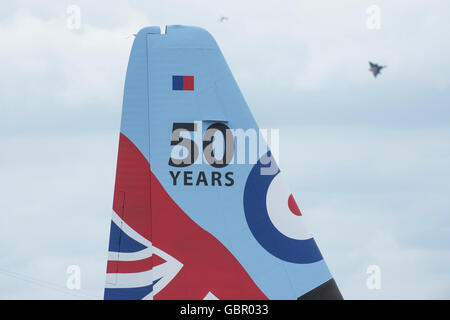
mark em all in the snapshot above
pixel 190 220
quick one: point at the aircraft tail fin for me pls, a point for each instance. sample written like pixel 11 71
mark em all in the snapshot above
pixel 201 209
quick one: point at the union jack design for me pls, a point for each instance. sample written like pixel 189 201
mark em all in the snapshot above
pixel 133 265
pixel 165 255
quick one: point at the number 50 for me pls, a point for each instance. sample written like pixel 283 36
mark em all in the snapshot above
pixel 208 148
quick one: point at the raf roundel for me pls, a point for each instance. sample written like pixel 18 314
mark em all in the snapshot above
pixel 274 218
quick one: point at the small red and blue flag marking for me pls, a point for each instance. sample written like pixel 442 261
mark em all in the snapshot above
pixel 183 83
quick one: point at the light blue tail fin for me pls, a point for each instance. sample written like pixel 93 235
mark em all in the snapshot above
pixel 201 210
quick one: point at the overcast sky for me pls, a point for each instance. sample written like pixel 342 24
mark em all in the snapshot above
pixel 367 159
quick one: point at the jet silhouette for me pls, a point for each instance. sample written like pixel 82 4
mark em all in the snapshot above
pixel 375 68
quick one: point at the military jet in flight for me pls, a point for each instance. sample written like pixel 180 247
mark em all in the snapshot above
pixel 375 68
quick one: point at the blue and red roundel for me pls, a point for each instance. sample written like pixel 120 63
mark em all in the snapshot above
pixel 274 217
